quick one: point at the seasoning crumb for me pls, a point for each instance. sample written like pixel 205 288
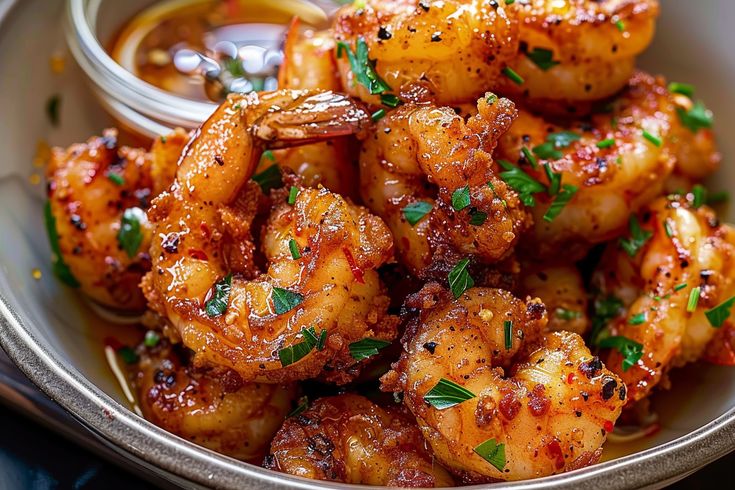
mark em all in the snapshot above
pixel 57 63
pixel 36 273
pixel 34 179
pixel 43 154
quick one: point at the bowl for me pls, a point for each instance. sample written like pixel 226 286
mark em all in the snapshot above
pixel 52 334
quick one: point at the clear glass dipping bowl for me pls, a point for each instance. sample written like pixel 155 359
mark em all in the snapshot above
pixel 136 105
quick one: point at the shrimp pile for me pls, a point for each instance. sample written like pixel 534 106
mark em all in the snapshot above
pixel 460 242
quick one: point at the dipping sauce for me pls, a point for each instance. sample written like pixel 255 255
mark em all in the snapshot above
pixel 204 49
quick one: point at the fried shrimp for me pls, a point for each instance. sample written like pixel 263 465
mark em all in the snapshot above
pixel 495 398
pixel 561 289
pixel 212 407
pixel 98 192
pixel 320 291
pixel 429 175
pixel 578 50
pixel 349 439
pixel 615 162
pixel 676 264
pixel 457 49
pixel 309 64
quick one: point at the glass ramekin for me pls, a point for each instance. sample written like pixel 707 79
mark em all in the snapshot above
pixel 136 105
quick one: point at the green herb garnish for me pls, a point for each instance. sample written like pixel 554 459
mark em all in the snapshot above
pixel 508 331
pixel 653 139
pixel 461 198
pixel 682 88
pixel 459 278
pixel 638 237
pixel 151 339
pixel 362 66
pixel 115 178
pixel 477 218
pixel 561 200
pixel 513 76
pixel 294 248
pixel 493 453
pixel 543 58
pixel 606 143
pixel 269 178
pixel 60 268
pixel 720 313
pixel 293 193
pixel 285 300
pixel 366 348
pixel 637 319
pixel 130 236
pixel 220 297
pixel 693 299
pixel 521 182
pixel 53 109
pixel 631 350
pixel 446 394
pixel 415 211
pixel 696 118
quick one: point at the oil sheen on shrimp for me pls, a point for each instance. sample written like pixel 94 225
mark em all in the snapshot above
pixel 617 161
pixel 683 268
pixel 92 187
pixel 212 407
pixel 456 48
pixel 543 397
pixel 321 251
pixel 349 439
pixel 423 157
pixel 576 51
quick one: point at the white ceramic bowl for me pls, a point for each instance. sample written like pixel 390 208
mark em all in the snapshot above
pixel 49 331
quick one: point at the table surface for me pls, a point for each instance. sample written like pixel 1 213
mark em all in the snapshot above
pixel 33 457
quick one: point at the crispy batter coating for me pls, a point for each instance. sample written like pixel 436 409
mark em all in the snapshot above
pixel 349 439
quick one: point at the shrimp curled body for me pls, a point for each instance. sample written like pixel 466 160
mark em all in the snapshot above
pixel 544 397
pixel 321 251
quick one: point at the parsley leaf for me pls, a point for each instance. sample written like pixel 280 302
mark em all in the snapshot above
pixel 130 236
pixel 220 298
pixel 543 58
pixel 547 151
pixel 416 210
pixel 561 200
pixel 363 67
pixel 477 218
pixel 269 178
pixel 696 118
pixel 521 182
pixel 493 453
pixel 446 394
pixel 366 348
pixel 285 300
pixel 562 139
pixel 720 313
pixel 461 198
pixel 296 352
pixel 638 237
pixel 631 350
pixel 459 278
pixel 60 268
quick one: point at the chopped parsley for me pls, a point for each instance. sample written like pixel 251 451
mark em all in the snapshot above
pixel 366 348
pixel 459 278
pixel 638 237
pixel 446 394
pixel 296 352
pixel 620 25
pixel 696 118
pixel 606 143
pixel 631 350
pixel 699 196
pixel 561 200
pixel 269 178
pixel 293 192
pixel 605 309
pixel 493 453
pixel 543 58
pixel 285 300
pixel 682 88
pixel 53 109
pixel 220 297
pixel 563 139
pixel 390 100
pixel 547 151
pixel 554 180
pixel 477 218
pixel 378 115
pixel 693 299
pixel 521 182
pixel 130 236
pixel 508 331
pixel 720 313
pixel 565 314
pixel 151 339
pixel 127 354
pixel 513 76
pixel 638 319
pixel 529 157
pixel 116 178
pixel 652 138
pixel 362 66
pixel 294 249
pixel 461 198
pixel 416 210
pixel 60 268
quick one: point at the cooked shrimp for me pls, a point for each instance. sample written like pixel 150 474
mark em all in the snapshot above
pixel 211 407
pixel 456 48
pixel 681 265
pixel 92 188
pixel 422 155
pixel 349 439
pixel 617 162
pixel 542 399
pixel 321 251
pixel 309 64
pixel 561 289
pixel 578 50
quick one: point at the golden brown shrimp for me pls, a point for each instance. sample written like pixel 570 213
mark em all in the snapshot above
pixel 309 64
pixel 457 49
pixel 616 161
pixel 577 50
pixel 349 439
pixel 535 404
pixel 94 189
pixel 416 163
pixel 212 407
pixel 677 263
pixel 320 290
pixel 561 289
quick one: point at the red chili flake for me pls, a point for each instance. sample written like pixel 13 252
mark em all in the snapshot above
pixel 205 230
pixel 570 378
pixel 609 426
pixel 509 406
pixel 195 253
pixel 539 403
pixel 554 450
pixel 356 271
